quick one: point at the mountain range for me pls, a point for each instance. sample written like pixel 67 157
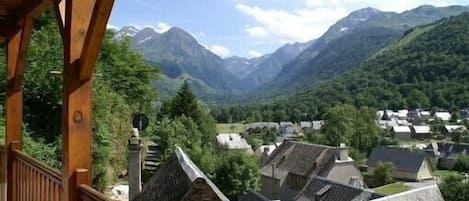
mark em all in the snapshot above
pixel 345 45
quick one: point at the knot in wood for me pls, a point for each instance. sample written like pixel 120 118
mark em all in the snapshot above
pixel 77 116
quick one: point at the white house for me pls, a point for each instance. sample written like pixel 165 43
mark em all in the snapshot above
pixel 444 116
pixel 421 131
pixel 233 141
pixel 401 132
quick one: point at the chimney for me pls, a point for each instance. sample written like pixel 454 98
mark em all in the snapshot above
pixel 342 152
pixel 273 170
pixel 266 150
pixel 135 164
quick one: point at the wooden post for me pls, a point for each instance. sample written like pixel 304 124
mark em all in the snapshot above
pixel 76 120
pixel 16 60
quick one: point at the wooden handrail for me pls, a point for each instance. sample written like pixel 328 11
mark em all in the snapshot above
pixel 89 194
pixel 39 166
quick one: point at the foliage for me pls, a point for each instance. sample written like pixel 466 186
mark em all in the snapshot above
pixel 233 172
pixel 383 173
pixel 454 188
pixel 462 164
pixel 237 173
pixel 423 69
pixel 121 87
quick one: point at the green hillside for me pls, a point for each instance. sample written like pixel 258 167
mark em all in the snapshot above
pixel 428 67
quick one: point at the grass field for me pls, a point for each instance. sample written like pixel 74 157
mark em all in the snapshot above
pixel 230 128
pixel 445 173
pixel 393 188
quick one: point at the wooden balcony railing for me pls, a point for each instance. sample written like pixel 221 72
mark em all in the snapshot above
pixel 32 180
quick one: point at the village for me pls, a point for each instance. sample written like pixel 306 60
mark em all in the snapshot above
pixel 293 169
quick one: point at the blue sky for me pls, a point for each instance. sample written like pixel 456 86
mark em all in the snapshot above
pixel 249 28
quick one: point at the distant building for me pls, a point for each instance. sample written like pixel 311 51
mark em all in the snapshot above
pixel 428 193
pixel 317 125
pixel 264 151
pixel 443 116
pixel 289 168
pixel 421 131
pixel 401 132
pixel 402 114
pixel 319 188
pixel 447 153
pixel 262 125
pixel 305 124
pixel 233 141
pixel 409 166
pixel 450 129
pixel 179 179
pixel 425 114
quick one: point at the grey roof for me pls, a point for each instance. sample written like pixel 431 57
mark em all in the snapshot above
pixel 449 150
pixel 321 189
pixel 252 196
pixel 403 160
pixel 429 193
pixel 179 178
pixel 300 159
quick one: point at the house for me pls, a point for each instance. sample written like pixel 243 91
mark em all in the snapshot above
pixel 322 189
pixel 289 168
pixel 425 114
pixel 443 116
pixel 305 124
pixel 428 193
pixel 261 125
pixel 409 166
pixel 385 124
pixel 451 129
pixel 180 179
pixel 317 125
pixel 251 195
pixel 402 114
pixel 403 122
pixel 233 141
pixel 421 131
pixel 446 153
pixel 401 132
pixel 288 130
pixel 264 151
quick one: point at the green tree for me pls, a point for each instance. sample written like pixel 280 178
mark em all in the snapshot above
pixel 462 164
pixel 383 173
pixel 185 103
pixel 237 173
pixel 454 188
pixel 339 124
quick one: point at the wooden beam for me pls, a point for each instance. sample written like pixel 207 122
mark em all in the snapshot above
pixel 32 8
pixel 16 60
pixel 94 37
pixel 59 6
pixel 76 119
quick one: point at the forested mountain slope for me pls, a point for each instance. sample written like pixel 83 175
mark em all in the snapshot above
pixel 428 67
pixel 351 41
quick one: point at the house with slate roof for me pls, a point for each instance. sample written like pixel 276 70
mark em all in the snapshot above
pixel 321 189
pixel 421 131
pixel 428 193
pixel 447 153
pixel 290 167
pixel 180 179
pixel 409 166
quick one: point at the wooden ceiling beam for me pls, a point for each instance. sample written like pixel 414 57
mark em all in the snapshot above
pixel 94 37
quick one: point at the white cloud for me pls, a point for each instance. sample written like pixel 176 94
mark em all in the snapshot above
pixel 291 26
pixel 315 17
pixel 218 50
pixel 254 53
